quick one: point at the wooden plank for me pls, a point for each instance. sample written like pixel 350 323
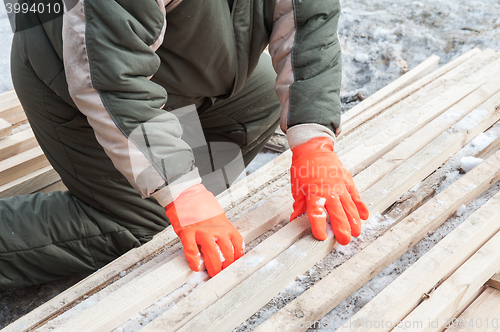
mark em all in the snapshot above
pixel 30 183
pixel 490 149
pixel 256 290
pixel 417 99
pixel 351 122
pixel 142 292
pixel 487 92
pixel 166 238
pixel 413 75
pixel 405 126
pixel 56 186
pixel 17 143
pixel 7 97
pixel 12 112
pixel 141 270
pixel 458 289
pixel 5 128
pixel 398 299
pixel 10 108
pixel 22 164
pixel 494 282
pixel 430 157
pixel 268 282
pixel 221 284
pixel 482 315
pixel 327 293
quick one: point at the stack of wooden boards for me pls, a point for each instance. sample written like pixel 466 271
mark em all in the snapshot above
pixel 390 142
pixel 24 169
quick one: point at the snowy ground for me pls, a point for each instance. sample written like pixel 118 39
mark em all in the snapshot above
pixel 381 40
pixel 5 45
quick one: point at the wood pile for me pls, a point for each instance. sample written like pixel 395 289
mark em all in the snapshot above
pixel 391 142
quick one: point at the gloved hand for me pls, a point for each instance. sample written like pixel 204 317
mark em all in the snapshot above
pixel 320 184
pixel 198 219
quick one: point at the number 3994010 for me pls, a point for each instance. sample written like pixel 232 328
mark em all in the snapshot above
pixel 35 8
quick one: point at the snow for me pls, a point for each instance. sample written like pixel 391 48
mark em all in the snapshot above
pixel 5 46
pixel 361 57
pixel 469 162
pixel 461 210
pixel 396 36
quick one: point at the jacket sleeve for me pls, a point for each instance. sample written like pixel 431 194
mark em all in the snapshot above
pixel 306 56
pixel 109 57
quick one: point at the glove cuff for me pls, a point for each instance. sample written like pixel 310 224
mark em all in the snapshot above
pixel 303 133
pixel 169 193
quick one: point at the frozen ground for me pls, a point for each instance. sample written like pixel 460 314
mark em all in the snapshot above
pixel 381 40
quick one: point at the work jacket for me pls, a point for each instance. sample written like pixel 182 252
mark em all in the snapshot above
pixel 126 63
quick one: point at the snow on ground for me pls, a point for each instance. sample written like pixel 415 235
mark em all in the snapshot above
pixel 382 39
pixel 5 46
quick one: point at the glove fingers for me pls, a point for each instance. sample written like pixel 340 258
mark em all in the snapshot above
pixel 317 217
pixel 338 220
pixel 352 214
pixel 363 211
pixel 212 255
pixel 299 207
pixel 237 241
pixel 191 252
pixel 227 250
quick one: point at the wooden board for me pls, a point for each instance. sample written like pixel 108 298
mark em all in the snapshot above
pixel 429 132
pixel 413 75
pixel 396 131
pixel 417 167
pixel 352 122
pixel 5 128
pixel 142 292
pixel 458 289
pixel 10 108
pixel 30 183
pixel 417 100
pixel 22 164
pixel 494 281
pixel 482 315
pixel 17 143
pixel 347 278
pixel 398 299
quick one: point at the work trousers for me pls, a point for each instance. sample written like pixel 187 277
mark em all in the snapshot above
pixel 44 237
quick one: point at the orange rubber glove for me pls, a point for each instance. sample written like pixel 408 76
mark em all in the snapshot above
pixel 320 184
pixel 198 219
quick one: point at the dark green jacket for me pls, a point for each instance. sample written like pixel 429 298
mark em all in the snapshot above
pixel 126 61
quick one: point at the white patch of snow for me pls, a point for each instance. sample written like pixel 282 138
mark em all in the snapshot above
pixel 468 163
pixel 461 210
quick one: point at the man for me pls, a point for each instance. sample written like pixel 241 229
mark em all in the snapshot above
pixel 94 86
